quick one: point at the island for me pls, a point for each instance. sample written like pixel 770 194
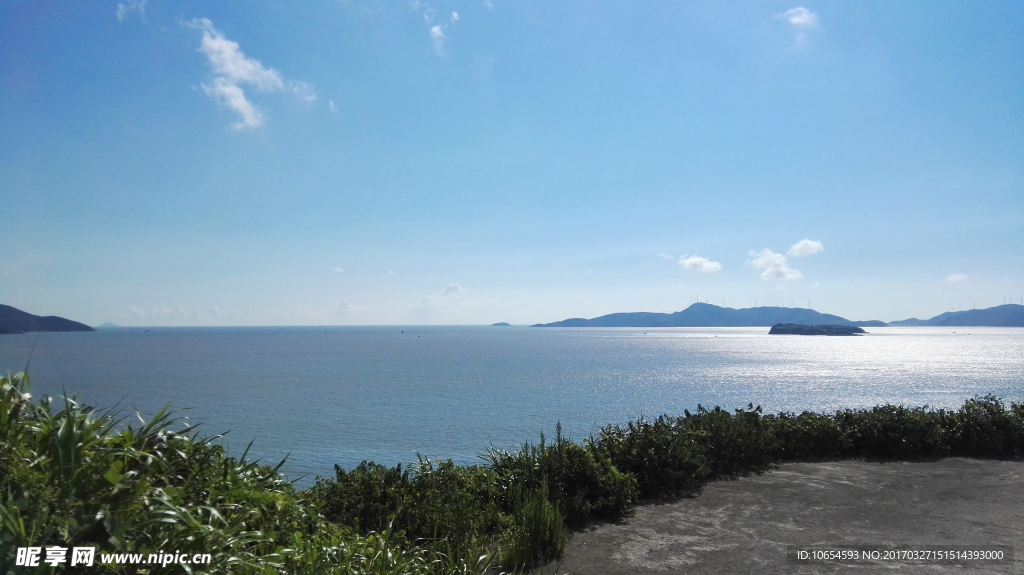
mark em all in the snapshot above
pixel 15 321
pixel 501 324
pixel 1007 315
pixel 826 329
pixel 710 315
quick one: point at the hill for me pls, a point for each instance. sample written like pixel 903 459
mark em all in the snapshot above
pixel 13 320
pixel 1008 315
pixel 709 315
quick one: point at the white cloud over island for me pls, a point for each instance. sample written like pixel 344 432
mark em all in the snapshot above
pixel 774 266
pixel 699 264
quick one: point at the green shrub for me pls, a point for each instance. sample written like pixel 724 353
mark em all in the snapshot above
pixel 662 455
pixel 581 478
pixel 984 427
pixel 808 436
pixel 894 432
pixel 431 501
pixel 537 532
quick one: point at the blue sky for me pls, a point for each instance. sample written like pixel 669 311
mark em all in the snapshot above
pixel 350 162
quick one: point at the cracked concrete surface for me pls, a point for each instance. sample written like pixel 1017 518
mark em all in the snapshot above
pixel 744 526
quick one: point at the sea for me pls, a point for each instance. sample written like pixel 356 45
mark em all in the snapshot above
pixel 326 396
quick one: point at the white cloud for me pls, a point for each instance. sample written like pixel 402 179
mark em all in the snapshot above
pixel 218 312
pixel 693 263
pixel 436 30
pixel 228 61
pixel 339 270
pixel 124 10
pixel 451 290
pixel 346 307
pixel 391 272
pixel 799 18
pixel 232 96
pixel 297 313
pixel 432 307
pixel 232 69
pixel 774 266
pixel 805 247
pixel 303 91
pixel 332 107
pixel 956 278
pixel 699 264
pixel 437 35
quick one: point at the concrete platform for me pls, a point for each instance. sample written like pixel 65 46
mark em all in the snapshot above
pixel 744 526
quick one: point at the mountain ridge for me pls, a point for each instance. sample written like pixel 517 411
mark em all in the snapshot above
pixel 15 321
pixel 710 315
pixel 1006 315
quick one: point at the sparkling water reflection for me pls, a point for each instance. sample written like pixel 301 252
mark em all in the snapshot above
pixel 343 394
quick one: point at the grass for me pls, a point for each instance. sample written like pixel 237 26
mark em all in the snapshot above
pixel 74 476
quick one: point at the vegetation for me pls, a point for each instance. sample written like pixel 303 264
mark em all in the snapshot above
pixel 72 476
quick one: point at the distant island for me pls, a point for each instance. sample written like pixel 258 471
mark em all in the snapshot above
pixel 106 325
pixel 15 321
pixel 709 315
pixel 1007 315
pixel 798 329
pixel 501 324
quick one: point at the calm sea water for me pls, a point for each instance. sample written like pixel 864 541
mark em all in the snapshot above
pixel 344 394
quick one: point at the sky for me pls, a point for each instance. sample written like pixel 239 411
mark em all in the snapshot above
pixel 429 162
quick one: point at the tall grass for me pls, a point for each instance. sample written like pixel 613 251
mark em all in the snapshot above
pixel 74 476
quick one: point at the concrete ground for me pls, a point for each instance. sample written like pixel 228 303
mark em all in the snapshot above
pixel 744 526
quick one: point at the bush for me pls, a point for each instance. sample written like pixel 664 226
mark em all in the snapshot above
pixel 581 478
pixel 984 427
pixel 76 477
pixel 808 436
pixel 662 455
pixel 537 531
pixel 431 501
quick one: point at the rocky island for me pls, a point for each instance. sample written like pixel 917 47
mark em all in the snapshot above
pixel 827 329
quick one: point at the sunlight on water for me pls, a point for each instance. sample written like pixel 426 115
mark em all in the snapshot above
pixel 377 393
